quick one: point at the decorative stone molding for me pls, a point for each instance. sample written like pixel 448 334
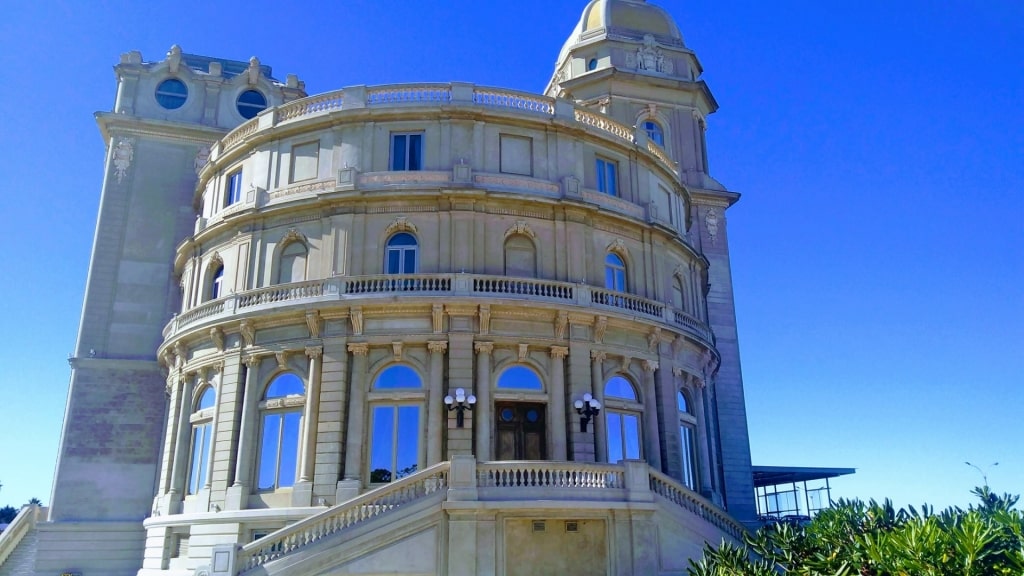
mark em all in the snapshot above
pixel 571 186
pixel 314 351
pixel 293 235
pixel 524 351
pixel 400 224
pixel 483 347
pixel 485 319
pixel 650 365
pixel 180 353
pixel 437 346
pixel 253 73
pixel 619 247
pixel 598 356
pixel 282 359
pixel 561 323
pixel 627 361
pixel 124 153
pixel 201 160
pixel 173 59
pixel 520 227
pixel 711 225
pixel 252 361
pixel 217 336
pixel 677 344
pixel 359 348
pixel 559 352
pixel 313 323
pixel 600 326
pixel 437 315
pixel 462 171
pixel 355 316
pixel 248 331
pixel 396 348
pixel 653 339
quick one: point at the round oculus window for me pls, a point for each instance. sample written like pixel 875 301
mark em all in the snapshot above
pixel 507 414
pixel 532 415
pixel 171 93
pixel 592 65
pixel 250 103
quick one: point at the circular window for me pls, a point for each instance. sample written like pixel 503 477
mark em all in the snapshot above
pixel 251 103
pixel 507 414
pixel 171 93
pixel 592 65
pixel 532 415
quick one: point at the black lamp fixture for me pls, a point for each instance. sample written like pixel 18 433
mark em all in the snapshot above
pixel 460 403
pixel 587 409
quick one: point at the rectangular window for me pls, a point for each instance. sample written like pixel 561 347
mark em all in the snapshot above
pixel 516 154
pixel 394 442
pixel 200 457
pixel 407 151
pixel 607 177
pixel 233 194
pixel 305 161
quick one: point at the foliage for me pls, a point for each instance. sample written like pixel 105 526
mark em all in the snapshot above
pixel 7 514
pixel 858 539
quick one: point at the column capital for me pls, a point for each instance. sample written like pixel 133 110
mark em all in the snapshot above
pixel 252 361
pixel 437 346
pixel 282 359
pixel 314 351
pixel 598 356
pixel 483 347
pixel 650 365
pixel 559 352
pixel 359 348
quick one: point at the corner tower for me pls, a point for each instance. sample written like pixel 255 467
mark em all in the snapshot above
pixel 628 59
pixel 166 116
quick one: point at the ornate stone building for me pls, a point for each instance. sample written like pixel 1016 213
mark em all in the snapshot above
pixel 407 329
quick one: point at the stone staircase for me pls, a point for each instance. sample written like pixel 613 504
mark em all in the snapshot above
pixel 18 543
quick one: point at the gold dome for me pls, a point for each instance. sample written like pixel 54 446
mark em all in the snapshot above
pixel 629 15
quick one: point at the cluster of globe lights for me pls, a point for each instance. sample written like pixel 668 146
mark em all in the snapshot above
pixel 460 402
pixel 587 408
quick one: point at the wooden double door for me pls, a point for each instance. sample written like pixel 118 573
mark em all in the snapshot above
pixel 522 433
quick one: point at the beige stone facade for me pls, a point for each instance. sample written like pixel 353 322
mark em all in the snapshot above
pixel 351 265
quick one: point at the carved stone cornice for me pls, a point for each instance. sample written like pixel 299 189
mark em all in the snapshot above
pixel 485 319
pixel 559 352
pixel 437 317
pixel 650 365
pixel 313 323
pixel 520 227
pixel 314 351
pixel 248 331
pixel 600 325
pixel 355 316
pixel 282 359
pixel 217 336
pixel 483 347
pixel 524 351
pixel 400 224
pixel 359 348
pixel 396 348
pixel 437 346
pixel 561 323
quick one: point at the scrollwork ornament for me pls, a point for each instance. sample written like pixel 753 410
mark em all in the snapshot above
pixel 124 153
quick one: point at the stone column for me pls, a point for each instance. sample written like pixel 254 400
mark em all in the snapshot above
pixel 181 444
pixel 435 416
pixel 484 408
pixel 238 493
pixel 214 427
pixel 704 465
pixel 311 413
pixel 356 413
pixel 652 444
pixel 559 433
pixel 597 391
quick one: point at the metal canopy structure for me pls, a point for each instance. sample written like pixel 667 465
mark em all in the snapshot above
pixel 785 504
pixel 774 475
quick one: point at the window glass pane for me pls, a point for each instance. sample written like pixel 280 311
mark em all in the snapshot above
pixel 613 189
pixel 268 451
pixel 409 261
pixel 615 447
pixel 250 103
pixel 171 93
pixel 402 239
pixel 289 449
pixel 520 377
pixel 207 399
pixel 286 384
pixel 686 434
pixel 398 377
pixel 408 441
pixel 602 186
pixel 631 433
pixel 398 152
pixel 619 387
pixel 394 261
pixel 382 441
pixel 655 133
pixel 195 470
pixel 215 285
pixel 681 402
pixel 415 151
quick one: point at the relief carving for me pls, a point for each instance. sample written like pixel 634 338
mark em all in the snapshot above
pixel 124 153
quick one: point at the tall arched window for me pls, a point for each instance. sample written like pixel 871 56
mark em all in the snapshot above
pixel 687 426
pixel 395 424
pixel 215 288
pixel 520 378
pixel 678 293
pixel 202 428
pixel 401 254
pixel 520 257
pixel 520 427
pixel 292 265
pixel 622 417
pixel 614 272
pixel 280 431
pixel 654 132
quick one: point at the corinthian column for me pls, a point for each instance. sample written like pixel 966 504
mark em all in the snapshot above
pixel 702 437
pixel 597 391
pixel 652 446
pixel 483 399
pixel 435 420
pixel 356 412
pixel 247 431
pixel 559 433
pixel 181 445
pixel 311 413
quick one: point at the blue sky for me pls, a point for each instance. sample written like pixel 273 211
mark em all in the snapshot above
pixel 878 249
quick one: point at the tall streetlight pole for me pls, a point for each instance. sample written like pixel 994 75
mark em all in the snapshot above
pixel 984 473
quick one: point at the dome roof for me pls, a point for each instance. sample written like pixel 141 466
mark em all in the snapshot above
pixel 629 15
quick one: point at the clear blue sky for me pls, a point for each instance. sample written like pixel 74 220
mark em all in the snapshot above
pixel 878 250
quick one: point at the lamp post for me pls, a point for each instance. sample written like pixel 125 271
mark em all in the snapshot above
pixel 460 403
pixel 587 408
pixel 984 473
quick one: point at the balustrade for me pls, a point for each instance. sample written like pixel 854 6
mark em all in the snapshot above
pixel 627 302
pixel 515 100
pixel 282 293
pixel 549 475
pixel 320 103
pixel 669 489
pixel 398 283
pixel 523 286
pixel 409 94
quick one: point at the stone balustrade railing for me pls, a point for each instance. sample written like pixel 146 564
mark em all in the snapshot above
pixel 437 94
pixel 671 490
pixel 345 515
pixel 463 481
pixel 22 524
pixel 432 285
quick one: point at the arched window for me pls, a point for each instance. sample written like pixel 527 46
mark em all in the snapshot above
pixel 292 265
pixel 401 254
pixel 395 425
pixel 520 257
pixel 215 287
pixel 622 418
pixel 614 272
pixel 687 427
pixel 280 431
pixel 202 428
pixel 654 132
pixel 520 378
